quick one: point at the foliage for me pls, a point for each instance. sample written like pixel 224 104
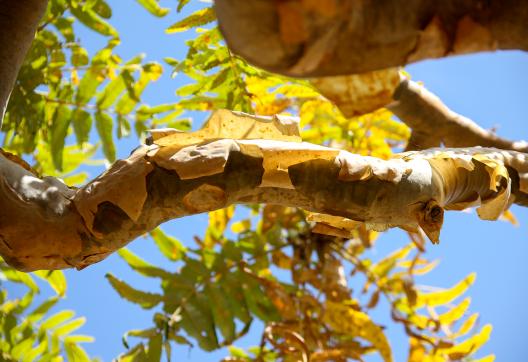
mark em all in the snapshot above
pixel 267 265
pixel 28 329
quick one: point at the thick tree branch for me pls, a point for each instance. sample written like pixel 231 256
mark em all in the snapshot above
pixel 46 225
pixel 434 124
pixel 18 24
pixel 310 38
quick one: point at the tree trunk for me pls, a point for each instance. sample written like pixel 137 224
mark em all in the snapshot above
pixel 18 23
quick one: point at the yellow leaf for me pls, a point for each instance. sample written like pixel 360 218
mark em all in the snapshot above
pixel 445 296
pixel 198 18
pixel 470 345
pixel 467 326
pixel 344 319
pixel 455 313
pixel 384 266
pixel 241 226
pixel 489 358
pixel 510 217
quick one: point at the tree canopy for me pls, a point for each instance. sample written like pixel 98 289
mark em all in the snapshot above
pixel 299 176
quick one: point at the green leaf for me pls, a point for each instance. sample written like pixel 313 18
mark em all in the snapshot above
pixel 79 338
pixel 171 247
pixel 88 86
pixel 75 353
pixel 144 299
pixel 69 327
pixel 136 354
pixel 232 285
pixel 22 347
pixel 111 92
pixel 94 22
pixel 79 56
pixel 42 309
pixel 140 333
pixel 197 321
pixel 154 348
pixel 181 4
pixel 257 302
pixel 220 78
pixel 64 26
pixel 55 278
pixel 103 123
pixel 222 315
pixel 102 9
pixel 141 266
pixel 19 277
pixel 82 124
pixel 59 131
pixel 57 319
pixel 152 7
pixel 198 18
pixel 36 351
pixel 237 352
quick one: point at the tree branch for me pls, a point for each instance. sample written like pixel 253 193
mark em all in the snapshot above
pixel 18 23
pixel 334 37
pixel 46 225
pixel 434 124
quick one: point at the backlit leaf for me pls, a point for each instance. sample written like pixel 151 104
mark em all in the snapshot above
pixel 153 7
pixel 144 299
pixel 141 266
pixel 446 296
pixel 171 247
pixel 345 319
pixel 198 18
pixel 55 278
pixel 104 125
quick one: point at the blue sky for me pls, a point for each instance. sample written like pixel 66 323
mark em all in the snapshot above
pixel 489 88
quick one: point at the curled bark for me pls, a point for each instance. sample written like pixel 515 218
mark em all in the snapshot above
pixel 46 225
pixel 311 38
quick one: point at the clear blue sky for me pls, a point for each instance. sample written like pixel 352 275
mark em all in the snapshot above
pixel 489 88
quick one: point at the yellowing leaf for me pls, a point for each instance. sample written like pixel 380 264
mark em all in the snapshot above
pixel 445 296
pixel 56 280
pixel 509 217
pixel 219 219
pixel 344 319
pixel 455 313
pixel 241 226
pixel 198 18
pixel 469 346
pixel 489 358
pixel 467 326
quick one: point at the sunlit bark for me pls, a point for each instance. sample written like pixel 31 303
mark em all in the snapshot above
pixel 311 38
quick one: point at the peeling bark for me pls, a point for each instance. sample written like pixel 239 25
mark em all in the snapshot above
pixel 311 38
pixel 46 225
pixel 18 23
